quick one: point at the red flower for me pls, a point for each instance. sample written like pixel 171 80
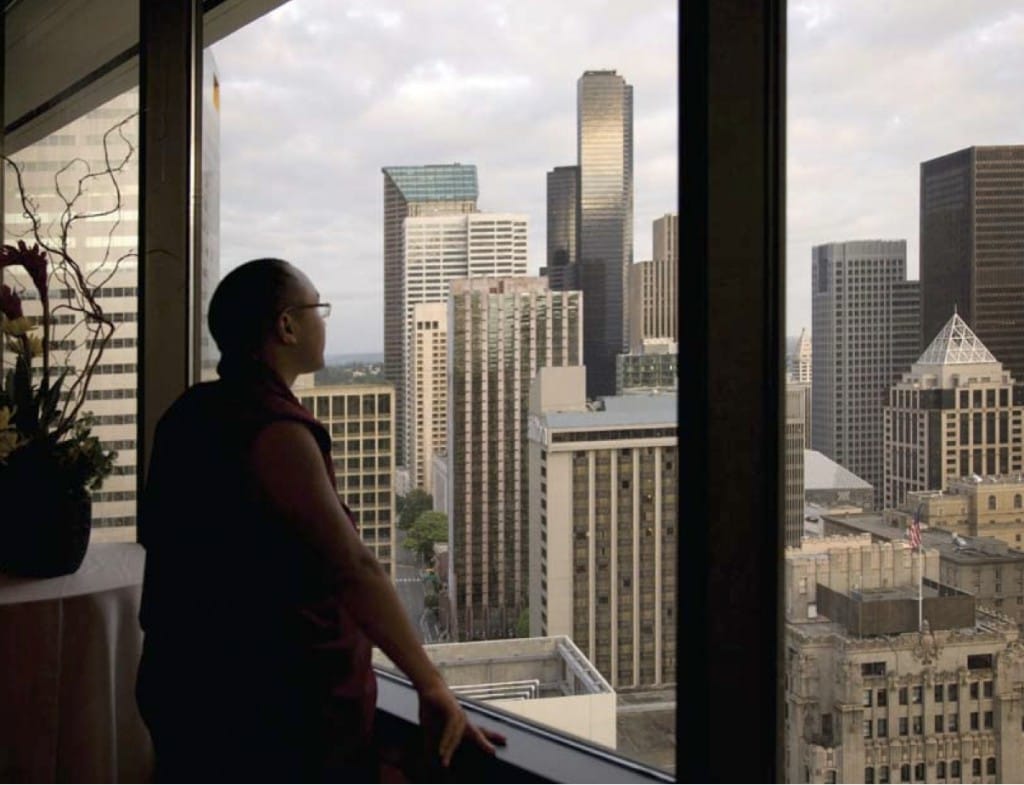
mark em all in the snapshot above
pixel 10 303
pixel 32 259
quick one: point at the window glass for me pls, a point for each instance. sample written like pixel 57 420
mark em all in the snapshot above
pixel 897 259
pixel 87 171
pixel 367 201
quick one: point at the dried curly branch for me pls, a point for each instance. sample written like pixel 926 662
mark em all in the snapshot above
pixel 79 286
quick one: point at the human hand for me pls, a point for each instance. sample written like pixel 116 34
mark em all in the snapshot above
pixel 442 716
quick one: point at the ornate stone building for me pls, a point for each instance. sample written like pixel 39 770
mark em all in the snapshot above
pixel 872 699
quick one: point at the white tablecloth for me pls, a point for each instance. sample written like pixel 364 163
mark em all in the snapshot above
pixel 69 652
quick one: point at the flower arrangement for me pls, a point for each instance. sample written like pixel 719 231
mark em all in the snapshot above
pixel 45 419
pixel 49 458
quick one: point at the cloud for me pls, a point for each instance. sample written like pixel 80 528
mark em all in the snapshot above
pixel 873 91
pixel 318 95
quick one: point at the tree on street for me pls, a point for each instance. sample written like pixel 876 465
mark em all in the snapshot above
pixel 429 528
pixel 411 506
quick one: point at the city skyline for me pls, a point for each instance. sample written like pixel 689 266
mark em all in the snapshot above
pixel 417 86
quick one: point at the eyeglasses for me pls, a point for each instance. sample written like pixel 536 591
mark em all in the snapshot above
pixel 324 309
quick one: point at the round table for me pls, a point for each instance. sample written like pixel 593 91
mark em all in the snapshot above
pixel 69 651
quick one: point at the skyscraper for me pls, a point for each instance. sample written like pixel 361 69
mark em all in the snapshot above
pixel 972 246
pixel 604 143
pixel 794 466
pixel 800 362
pixel 953 415
pixel 438 249
pixel 651 289
pixel 500 332
pixel 563 184
pixel 441 189
pixel 862 331
pixel 428 391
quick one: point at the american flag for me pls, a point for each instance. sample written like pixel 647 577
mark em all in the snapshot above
pixel 914 532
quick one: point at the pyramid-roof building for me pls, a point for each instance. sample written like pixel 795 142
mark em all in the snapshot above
pixel 956 344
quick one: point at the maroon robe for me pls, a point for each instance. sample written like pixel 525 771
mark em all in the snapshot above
pixel 251 666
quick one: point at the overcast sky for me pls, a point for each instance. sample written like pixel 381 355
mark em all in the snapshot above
pixel 317 96
pixel 874 88
pixel 320 94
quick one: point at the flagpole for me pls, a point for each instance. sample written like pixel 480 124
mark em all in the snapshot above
pixel 917 543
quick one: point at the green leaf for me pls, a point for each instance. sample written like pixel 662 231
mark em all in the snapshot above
pixel 48 409
pixel 27 416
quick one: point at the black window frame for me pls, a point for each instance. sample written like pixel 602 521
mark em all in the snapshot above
pixel 733 120
pixel 732 178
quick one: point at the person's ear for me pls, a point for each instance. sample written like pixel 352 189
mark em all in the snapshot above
pixel 286 328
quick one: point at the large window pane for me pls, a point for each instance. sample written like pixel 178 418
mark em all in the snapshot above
pixel 905 288
pixel 85 176
pixel 388 177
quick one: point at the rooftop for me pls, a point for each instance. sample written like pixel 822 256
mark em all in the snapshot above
pixel 956 344
pixel 959 549
pixel 821 472
pixel 519 668
pixel 435 182
pixel 616 411
pixel 978 483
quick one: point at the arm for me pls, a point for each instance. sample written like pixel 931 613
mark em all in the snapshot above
pixel 290 467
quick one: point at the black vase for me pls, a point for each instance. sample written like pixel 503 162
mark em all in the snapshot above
pixel 45 527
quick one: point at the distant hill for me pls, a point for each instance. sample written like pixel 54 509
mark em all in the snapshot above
pixel 349 359
pixel 351 369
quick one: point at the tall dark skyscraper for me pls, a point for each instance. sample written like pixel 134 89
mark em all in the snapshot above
pixel 563 189
pixel 604 143
pixel 865 333
pixel 410 191
pixel 972 246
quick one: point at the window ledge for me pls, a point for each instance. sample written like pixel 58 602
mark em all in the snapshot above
pixel 533 753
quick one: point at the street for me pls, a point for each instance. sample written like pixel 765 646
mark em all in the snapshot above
pixel 412 592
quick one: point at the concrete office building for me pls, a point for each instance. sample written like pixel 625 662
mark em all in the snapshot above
pixel 869 698
pixel 653 369
pixel 563 202
pixel 361 421
pixel 804 389
pixel 106 246
pixel 439 480
pixel 652 288
pixel 428 390
pixel 972 246
pixel 501 331
pixel 438 249
pixel 864 336
pixel 794 468
pixel 603 526
pixel 953 415
pixel 984 567
pixel 604 143
pixel 411 191
pixel 665 238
